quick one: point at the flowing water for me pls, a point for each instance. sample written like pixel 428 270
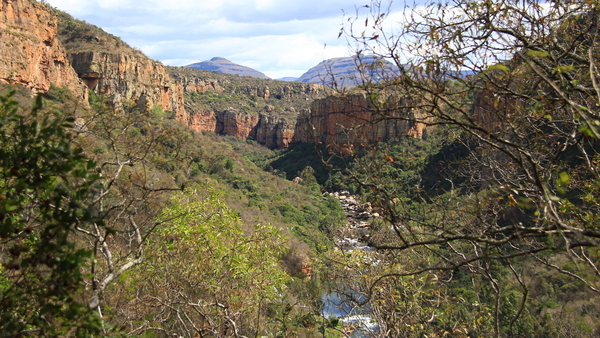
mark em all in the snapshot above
pixel 334 304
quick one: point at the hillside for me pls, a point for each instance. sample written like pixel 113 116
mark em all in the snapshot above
pixel 143 200
pixel 93 184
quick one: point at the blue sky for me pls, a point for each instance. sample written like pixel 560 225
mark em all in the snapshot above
pixel 277 37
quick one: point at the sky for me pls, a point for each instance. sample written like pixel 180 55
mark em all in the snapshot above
pixel 280 38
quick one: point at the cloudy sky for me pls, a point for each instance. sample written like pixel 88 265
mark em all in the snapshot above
pixel 277 37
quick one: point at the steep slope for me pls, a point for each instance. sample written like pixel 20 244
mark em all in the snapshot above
pixel 110 67
pixel 350 120
pixel 263 110
pixel 244 107
pixel 31 54
pixel 224 66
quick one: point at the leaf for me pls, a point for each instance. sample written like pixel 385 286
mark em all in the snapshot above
pixel 499 66
pixel 563 178
pixel 564 69
pixel 537 53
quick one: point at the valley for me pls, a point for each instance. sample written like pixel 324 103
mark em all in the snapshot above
pixel 449 188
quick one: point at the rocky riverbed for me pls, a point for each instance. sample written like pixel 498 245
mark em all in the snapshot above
pixel 354 236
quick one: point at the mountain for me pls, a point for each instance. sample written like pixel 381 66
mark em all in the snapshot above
pixel 288 78
pixel 344 72
pixel 222 65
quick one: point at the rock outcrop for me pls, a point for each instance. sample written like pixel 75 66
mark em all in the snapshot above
pixel 31 54
pixel 264 129
pixel 192 84
pixel 267 112
pixel 129 77
pixel 247 108
pixel 352 119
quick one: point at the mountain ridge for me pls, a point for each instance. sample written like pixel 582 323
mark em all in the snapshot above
pixel 222 65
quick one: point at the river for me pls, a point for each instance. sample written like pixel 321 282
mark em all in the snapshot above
pixel 352 238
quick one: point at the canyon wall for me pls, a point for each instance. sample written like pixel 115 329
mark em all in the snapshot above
pixel 264 113
pixel 331 120
pixel 129 77
pixel 352 119
pixel 267 111
pixel 269 131
pixel 30 53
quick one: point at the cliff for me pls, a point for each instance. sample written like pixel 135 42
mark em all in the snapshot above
pixel 31 54
pixel 352 119
pixel 129 77
pixel 244 107
pixel 269 131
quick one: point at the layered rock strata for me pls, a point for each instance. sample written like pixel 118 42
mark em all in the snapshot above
pixel 129 77
pixel 264 129
pixel 353 119
pixel 30 53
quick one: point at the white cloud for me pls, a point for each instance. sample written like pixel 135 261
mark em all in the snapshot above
pixel 278 38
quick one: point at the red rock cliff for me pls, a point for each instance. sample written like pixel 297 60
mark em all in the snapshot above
pixel 129 77
pixel 352 119
pixel 30 53
pixel 270 122
pixel 267 130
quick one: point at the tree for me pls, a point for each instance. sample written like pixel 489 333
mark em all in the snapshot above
pixel 203 276
pixel 517 82
pixel 45 183
pixel 134 153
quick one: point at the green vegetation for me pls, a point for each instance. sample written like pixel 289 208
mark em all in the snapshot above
pixel 491 229
pixel 117 175
pixel 79 36
pixel 116 221
pixel 278 99
pixel 45 182
pixel 226 282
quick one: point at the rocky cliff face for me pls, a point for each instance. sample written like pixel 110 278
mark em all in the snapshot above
pixel 30 53
pixel 244 107
pixel 266 110
pixel 351 120
pixel 129 77
pixel 264 129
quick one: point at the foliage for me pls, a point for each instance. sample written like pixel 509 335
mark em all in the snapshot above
pixel 79 36
pixel 222 282
pixel 45 184
pixel 143 159
pixel 515 82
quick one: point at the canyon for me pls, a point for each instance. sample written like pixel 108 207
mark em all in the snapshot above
pixel 275 113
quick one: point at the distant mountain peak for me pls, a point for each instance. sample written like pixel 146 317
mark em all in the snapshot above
pixel 344 72
pixel 222 65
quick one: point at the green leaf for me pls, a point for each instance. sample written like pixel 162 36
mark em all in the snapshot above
pixel 563 178
pixel 564 69
pixel 499 67
pixel 537 54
